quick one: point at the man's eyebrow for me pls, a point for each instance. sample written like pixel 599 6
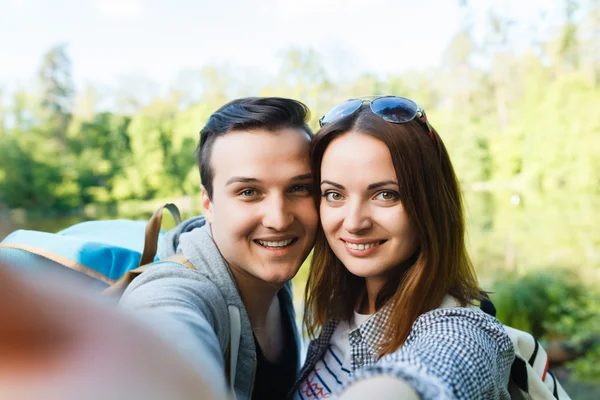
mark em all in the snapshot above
pixel 377 185
pixel 302 177
pixel 246 179
pixel 337 185
pixel 241 179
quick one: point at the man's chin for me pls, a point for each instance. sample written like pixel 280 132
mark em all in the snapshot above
pixel 279 278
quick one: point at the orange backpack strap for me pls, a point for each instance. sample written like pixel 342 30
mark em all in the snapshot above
pixel 150 246
pixel 179 258
pixel 153 230
pixel 117 288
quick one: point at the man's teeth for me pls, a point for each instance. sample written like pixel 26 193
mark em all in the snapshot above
pixel 281 243
pixel 362 246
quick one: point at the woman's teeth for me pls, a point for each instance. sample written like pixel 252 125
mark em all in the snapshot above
pixel 362 246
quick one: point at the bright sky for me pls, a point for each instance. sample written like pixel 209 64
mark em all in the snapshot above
pixel 115 39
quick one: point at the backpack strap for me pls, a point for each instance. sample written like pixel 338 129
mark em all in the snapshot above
pixel 153 230
pixel 117 288
pixel 179 258
pixel 150 245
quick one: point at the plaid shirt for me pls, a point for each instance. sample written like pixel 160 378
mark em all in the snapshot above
pixel 455 353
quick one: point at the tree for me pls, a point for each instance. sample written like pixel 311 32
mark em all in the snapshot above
pixel 303 77
pixel 568 49
pixel 22 114
pixel 99 149
pixel 31 176
pixel 57 92
pixel 2 116
pixel 150 134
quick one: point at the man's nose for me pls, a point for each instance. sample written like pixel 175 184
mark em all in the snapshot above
pixel 278 213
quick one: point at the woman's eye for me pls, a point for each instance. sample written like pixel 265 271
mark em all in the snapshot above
pixel 386 196
pixel 332 196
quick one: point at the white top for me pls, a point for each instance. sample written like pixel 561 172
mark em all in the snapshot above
pixel 332 371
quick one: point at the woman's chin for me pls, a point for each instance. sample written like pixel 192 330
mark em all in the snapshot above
pixel 363 271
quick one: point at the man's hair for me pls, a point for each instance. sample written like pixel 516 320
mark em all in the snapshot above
pixel 249 113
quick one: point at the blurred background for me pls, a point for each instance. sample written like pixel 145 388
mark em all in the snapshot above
pixel 101 102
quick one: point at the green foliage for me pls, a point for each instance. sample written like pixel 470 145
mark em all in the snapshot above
pixel 553 305
pixel 34 174
pixel 533 301
pixel 525 122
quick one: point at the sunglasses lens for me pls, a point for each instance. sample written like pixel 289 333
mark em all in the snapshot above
pixel 340 111
pixel 394 109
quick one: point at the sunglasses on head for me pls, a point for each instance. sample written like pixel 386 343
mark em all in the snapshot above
pixel 394 109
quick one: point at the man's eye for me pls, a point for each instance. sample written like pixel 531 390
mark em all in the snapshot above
pixel 386 195
pixel 300 189
pixel 332 196
pixel 248 193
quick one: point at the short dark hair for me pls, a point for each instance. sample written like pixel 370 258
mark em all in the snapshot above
pixel 249 113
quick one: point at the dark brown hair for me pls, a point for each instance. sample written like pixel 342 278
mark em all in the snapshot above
pixel 249 113
pixel 430 194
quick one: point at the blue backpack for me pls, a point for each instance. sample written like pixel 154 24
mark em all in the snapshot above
pixel 106 255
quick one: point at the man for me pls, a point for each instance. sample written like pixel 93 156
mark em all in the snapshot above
pixel 258 226
pixel 233 315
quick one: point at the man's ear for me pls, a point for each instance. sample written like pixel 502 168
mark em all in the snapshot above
pixel 206 205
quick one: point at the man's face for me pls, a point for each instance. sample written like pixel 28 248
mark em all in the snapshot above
pixel 262 213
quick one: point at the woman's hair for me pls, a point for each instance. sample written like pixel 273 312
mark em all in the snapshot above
pixel 430 194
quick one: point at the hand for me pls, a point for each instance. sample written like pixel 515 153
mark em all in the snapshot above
pixel 380 388
pixel 59 345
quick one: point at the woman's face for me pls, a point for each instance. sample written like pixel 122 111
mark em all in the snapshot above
pixel 362 216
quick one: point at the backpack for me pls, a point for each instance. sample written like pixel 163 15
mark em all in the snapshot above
pixel 100 254
pixel 530 377
pixel 106 256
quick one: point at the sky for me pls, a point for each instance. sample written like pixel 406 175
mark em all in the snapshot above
pixel 111 41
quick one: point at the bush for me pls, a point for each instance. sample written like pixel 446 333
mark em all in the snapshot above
pixel 554 305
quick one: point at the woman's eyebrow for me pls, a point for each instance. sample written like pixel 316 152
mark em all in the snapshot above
pixel 337 185
pixel 377 185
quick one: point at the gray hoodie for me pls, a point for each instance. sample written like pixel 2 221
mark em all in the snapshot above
pixel 198 303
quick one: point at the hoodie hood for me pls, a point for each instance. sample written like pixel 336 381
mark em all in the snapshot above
pixel 193 238
pixel 170 241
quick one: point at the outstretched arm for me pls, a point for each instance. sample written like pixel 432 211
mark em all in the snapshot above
pixel 186 309
pixel 58 343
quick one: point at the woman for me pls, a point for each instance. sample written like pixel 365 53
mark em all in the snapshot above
pixel 391 289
